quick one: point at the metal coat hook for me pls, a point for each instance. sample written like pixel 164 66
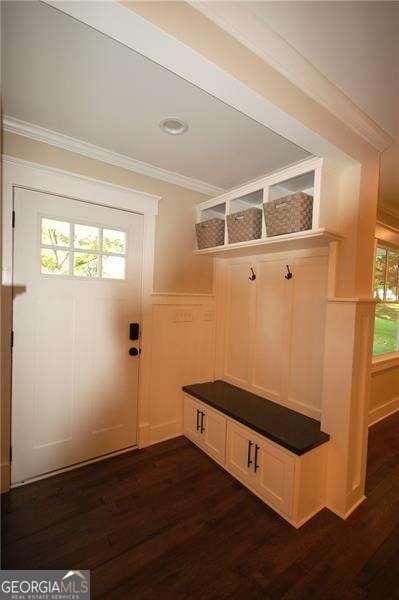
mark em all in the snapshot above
pixel 252 276
pixel 289 274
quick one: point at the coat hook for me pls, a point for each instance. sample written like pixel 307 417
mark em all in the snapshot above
pixel 252 276
pixel 289 274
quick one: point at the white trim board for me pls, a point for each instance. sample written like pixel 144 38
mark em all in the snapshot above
pixel 135 32
pixel 382 412
pixel 240 22
pixel 66 142
pixel 18 173
pixel 21 173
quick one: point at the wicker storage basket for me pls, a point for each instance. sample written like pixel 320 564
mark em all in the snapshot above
pixel 210 233
pixel 289 214
pixel 245 225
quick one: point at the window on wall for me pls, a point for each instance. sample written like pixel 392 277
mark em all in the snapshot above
pixel 81 250
pixel 386 292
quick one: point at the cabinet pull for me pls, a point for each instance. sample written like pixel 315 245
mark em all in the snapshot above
pixel 256 466
pixel 202 422
pixel 249 459
pixel 198 414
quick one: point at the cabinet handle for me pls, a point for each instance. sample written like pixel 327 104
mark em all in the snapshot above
pixel 198 414
pixel 256 466
pixel 249 459
pixel 202 422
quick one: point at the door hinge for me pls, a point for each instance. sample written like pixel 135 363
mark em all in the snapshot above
pixel 12 338
pixel 10 454
pixel 13 219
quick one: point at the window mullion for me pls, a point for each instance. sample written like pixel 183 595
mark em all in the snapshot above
pixel 71 246
pixel 386 273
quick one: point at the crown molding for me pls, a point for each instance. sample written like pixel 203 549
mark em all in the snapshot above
pixel 65 142
pixel 240 22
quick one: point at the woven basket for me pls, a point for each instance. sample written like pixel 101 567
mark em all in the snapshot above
pixel 210 233
pixel 289 214
pixel 245 225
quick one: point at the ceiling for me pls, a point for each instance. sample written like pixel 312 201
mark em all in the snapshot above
pixel 66 77
pixel 354 44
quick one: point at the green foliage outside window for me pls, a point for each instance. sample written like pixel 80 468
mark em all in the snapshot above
pixel 386 291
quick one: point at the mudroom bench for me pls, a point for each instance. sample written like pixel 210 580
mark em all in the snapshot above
pixel 278 453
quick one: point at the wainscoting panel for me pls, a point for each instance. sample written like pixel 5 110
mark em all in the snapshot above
pixel 384 393
pixel 178 349
pixel 270 330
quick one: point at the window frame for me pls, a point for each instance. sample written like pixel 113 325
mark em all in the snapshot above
pixel 388 359
pixel 72 250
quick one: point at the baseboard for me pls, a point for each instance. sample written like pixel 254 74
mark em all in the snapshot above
pixel 165 431
pixel 345 515
pixel 5 477
pixel 381 412
pixel 74 466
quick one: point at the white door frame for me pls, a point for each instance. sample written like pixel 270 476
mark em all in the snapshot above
pixel 19 173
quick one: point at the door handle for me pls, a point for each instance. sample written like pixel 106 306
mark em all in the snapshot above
pixel 256 466
pixel 249 459
pixel 198 414
pixel 202 422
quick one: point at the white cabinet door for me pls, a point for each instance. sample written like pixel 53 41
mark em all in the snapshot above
pixel 206 428
pixel 240 453
pixel 275 476
pixel 214 433
pixel 260 465
pixel 192 420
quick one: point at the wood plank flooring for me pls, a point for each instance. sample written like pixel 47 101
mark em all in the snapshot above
pixel 167 522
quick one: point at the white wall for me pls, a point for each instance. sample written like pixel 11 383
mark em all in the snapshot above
pixel 354 44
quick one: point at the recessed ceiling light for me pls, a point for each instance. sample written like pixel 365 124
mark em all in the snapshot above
pixel 173 126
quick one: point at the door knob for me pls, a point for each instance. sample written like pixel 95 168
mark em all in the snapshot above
pixel 134 351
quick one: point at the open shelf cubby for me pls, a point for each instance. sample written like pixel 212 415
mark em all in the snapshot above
pixel 304 178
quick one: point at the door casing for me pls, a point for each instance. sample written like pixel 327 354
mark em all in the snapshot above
pixel 18 173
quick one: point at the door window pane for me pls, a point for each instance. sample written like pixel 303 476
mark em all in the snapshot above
pixel 391 292
pixel 85 264
pixel 87 237
pixel 386 330
pixel 114 241
pixel 113 267
pixel 55 233
pixel 54 261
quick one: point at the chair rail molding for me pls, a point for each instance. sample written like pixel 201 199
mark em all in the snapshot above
pixel 65 142
pixel 240 22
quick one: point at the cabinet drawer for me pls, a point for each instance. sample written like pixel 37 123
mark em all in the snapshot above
pixel 262 466
pixel 206 428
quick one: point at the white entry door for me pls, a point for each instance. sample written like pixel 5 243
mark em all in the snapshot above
pixel 77 288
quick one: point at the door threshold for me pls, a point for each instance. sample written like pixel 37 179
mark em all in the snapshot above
pixel 74 466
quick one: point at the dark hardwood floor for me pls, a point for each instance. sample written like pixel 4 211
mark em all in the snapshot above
pixel 166 522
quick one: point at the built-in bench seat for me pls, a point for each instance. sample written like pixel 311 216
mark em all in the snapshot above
pixel 278 453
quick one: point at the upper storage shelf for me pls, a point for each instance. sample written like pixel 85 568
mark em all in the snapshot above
pixel 285 210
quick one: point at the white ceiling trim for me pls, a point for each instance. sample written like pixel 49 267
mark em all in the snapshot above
pixel 135 32
pixel 65 142
pixel 240 22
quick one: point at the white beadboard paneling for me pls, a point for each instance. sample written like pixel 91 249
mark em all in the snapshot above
pixel 179 350
pixel 309 293
pixel 270 335
pixel 270 332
